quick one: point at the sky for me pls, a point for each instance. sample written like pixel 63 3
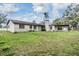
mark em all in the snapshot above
pixel 33 11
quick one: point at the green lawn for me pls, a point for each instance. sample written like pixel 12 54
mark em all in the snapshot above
pixel 39 43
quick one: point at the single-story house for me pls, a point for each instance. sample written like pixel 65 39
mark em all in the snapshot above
pixel 22 26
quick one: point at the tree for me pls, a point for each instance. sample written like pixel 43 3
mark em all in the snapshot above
pixel 46 15
pixel 2 18
pixel 71 14
pixel 57 21
pixel 6 10
pixel 71 10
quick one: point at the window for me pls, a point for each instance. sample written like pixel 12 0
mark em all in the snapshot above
pixel 51 27
pixel 34 27
pixel 21 26
pixel 30 26
pixel 59 28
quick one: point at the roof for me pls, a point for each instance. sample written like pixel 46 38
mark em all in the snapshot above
pixel 61 25
pixel 24 22
pixel 31 23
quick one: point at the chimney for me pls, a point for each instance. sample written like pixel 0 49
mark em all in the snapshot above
pixel 46 21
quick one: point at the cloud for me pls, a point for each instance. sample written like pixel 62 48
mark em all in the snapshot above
pixel 39 7
pixel 28 17
pixel 25 17
pixel 8 8
pixel 57 9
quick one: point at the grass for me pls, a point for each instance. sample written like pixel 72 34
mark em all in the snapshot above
pixel 39 43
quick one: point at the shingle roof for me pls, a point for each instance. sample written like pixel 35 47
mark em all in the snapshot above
pixel 24 22
pixel 31 23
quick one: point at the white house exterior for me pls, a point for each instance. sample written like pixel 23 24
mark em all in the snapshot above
pixel 21 26
pixel 17 26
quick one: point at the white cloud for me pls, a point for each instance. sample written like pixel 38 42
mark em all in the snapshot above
pixel 7 8
pixel 56 8
pixel 38 19
pixel 60 5
pixel 39 7
pixel 28 17
pixel 25 17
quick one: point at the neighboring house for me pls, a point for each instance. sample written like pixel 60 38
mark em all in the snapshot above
pixel 22 26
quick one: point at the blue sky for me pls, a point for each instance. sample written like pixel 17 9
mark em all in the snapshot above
pixel 33 11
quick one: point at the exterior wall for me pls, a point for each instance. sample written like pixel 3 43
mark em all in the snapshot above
pixel 32 28
pixel 39 28
pixel 78 26
pixel 17 29
pixel 47 25
pixel 26 28
pixel 11 27
pixel 56 29
pixel 64 28
pixel 53 28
